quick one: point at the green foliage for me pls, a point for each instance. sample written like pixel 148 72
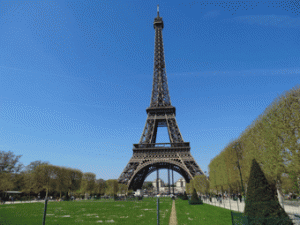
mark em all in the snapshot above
pixel 194 199
pixel 194 196
pixel 261 203
pixel 112 187
pixel 89 182
pixel 185 197
pixel 272 139
pixel 201 184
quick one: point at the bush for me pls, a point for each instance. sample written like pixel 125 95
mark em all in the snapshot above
pixel 180 196
pixel 185 197
pixel 262 206
pixel 194 199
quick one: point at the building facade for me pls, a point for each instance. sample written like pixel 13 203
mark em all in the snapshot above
pixel 180 185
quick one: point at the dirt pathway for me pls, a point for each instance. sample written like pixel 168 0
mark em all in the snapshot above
pixel 173 218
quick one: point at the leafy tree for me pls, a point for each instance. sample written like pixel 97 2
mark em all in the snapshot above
pixel 112 187
pixel 147 185
pixel 261 203
pixel 9 167
pixel 33 165
pixel 122 189
pixel 29 183
pixel 201 184
pixel 6 183
pixel 74 178
pixel 61 179
pixel 100 187
pixel 8 162
pixel 189 187
pixel 44 176
pixel 88 182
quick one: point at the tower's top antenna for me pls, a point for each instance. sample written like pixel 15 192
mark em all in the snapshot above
pixel 157 10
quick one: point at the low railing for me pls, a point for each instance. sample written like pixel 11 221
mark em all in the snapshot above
pixel 162 145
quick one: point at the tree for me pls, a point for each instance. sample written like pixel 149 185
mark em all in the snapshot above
pixel 8 162
pixel 74 178
pixel 112 187
pixel 189 187
pixel 147 185
pixel 33 165
pixel 29 183
pixel 123 189
pixel 9 167
pixel 100 187
pixel 194 199
pixel 88 182
pixel 201 184
pixel 44 176
pixel 261 203
pixel 61 179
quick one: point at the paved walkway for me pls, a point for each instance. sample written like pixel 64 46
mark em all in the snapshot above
pixel 173 218
pixel 292 211
pixel 239 206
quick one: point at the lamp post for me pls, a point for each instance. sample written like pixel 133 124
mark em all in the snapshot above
pixel 238 165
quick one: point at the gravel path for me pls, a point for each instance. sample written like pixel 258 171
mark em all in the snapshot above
pixel 173 218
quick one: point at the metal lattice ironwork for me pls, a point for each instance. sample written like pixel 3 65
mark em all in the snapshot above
pixel 148 155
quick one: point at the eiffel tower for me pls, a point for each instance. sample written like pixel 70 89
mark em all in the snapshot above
pixel 149 156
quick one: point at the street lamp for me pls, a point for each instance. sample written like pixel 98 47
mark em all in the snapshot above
pixel 238 165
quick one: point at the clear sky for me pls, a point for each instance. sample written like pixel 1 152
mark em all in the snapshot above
pixel 76 76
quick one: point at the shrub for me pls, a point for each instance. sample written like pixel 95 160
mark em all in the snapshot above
pixel 180 196
pixel 262 206
pixel 185 197
pixel 194 199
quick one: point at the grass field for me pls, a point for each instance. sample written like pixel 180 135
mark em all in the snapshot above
pixel 88 212
pixel 201 214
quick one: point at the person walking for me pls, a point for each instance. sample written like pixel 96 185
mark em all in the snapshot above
pixel 240 197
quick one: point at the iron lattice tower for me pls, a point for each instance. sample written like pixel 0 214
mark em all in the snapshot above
pixel 148 155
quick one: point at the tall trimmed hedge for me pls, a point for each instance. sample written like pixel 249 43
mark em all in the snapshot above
pixel 194 199
pixel 262 206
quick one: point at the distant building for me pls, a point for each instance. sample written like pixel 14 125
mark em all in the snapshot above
pixel 179 186
pixel 160 183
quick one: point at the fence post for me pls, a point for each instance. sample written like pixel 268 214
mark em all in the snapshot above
pixel 45 208
pixel 157 210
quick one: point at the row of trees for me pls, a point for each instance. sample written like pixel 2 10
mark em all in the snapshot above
pixel 273 140
pixel 200 183
pixel 54 180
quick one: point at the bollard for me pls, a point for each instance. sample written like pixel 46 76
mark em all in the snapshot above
pixel 157 210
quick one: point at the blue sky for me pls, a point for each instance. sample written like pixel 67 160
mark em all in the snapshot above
pixel 76 76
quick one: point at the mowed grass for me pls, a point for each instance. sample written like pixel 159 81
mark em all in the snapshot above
pixel 88 212
pixel 201 214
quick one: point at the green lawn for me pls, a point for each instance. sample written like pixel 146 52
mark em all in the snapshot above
pixel 88 212
pixel 201 214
